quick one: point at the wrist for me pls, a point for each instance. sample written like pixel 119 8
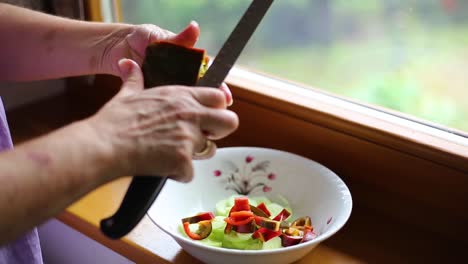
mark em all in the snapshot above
pixel 101 154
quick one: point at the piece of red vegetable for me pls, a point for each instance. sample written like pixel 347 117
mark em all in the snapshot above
pixel 235 222
pixel 263 207
pixel 241 204
pixel 240 215
pixel 283 215
pixel 228 229
pixel 287 241
pixel 265 234
pixel 270 224
pixel 199 217
pixel 247 228
pixel 204 230
pixel 257 211
pixel 258 219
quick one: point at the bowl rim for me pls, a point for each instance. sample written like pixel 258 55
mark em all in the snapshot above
pixel 327 234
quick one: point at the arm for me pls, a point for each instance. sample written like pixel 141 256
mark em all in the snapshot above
pixel 42 177
pixel 40 46
pixel 133 130
pixel 36 46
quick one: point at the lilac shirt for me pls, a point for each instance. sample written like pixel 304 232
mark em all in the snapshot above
pixel 26 249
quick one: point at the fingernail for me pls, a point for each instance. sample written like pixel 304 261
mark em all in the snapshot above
pixel 194 23
pixel 124 66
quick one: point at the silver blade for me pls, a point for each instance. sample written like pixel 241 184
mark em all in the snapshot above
pixel 235 43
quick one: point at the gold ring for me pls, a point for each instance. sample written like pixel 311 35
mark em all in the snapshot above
pixel 206 150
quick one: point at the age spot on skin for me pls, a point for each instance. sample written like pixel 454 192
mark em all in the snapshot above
pixel 40 159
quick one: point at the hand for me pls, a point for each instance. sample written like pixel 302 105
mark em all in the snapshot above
pixel 156 131
pixel 131 42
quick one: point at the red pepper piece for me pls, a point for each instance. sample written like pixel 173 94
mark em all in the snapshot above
pixel 199 217
pixel 265 234
pixel 257 211
pixel 240 215
pixel 263 207
pixel 228 229
pixel 204 230
pixel 247 228
pixel 234 222
pixel 258 219
pixel 241 204
pixel 283 215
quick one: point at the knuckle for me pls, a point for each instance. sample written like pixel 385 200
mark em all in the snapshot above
pixel 217 97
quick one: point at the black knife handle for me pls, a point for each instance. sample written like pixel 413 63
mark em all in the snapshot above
pixel 164 64
pixel 140 195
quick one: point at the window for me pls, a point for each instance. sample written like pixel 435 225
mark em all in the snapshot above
pixel 409 56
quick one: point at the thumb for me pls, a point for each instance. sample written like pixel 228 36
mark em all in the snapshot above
pixel 131 75
pixel 187 37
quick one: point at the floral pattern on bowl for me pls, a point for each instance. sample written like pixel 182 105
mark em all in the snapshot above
pixel 251 177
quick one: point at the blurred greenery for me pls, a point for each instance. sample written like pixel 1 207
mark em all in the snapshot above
pixel 410 56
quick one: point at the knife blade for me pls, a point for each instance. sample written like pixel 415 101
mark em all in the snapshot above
pixel 143 190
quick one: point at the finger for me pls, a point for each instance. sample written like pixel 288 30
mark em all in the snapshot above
pixel 227 92
pixel 184 172
pixel 187 37
pixel 131 75
pixel 218 123
pixel 209 97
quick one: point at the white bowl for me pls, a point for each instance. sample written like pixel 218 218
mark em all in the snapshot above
pixel 311 189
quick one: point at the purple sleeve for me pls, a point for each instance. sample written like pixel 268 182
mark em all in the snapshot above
pixel 25 249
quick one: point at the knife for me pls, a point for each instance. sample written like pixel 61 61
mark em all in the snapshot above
pixel 143 190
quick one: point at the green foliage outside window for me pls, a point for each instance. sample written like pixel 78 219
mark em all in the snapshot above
pixel 410 56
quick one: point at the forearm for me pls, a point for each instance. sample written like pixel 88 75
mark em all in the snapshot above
pixel 41 178
pixel 37 46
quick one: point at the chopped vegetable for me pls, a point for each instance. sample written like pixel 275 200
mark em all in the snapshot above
pixel 264 209
pixel 270 224
pixel 265 234
pixel 241 204
pixel 258 212
pixel 204 230
pixel 283 215
pixel 199 217
pixel 305 222
pixel 243 223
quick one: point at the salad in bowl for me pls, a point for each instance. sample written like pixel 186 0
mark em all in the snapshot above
pixel 253 205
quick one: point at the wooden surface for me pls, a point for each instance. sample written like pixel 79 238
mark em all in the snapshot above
pixel 374 234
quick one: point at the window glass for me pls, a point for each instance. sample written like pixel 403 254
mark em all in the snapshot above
pixel 410 56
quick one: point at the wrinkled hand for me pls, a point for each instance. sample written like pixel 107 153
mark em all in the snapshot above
pixel 156 131
pixel 131 42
